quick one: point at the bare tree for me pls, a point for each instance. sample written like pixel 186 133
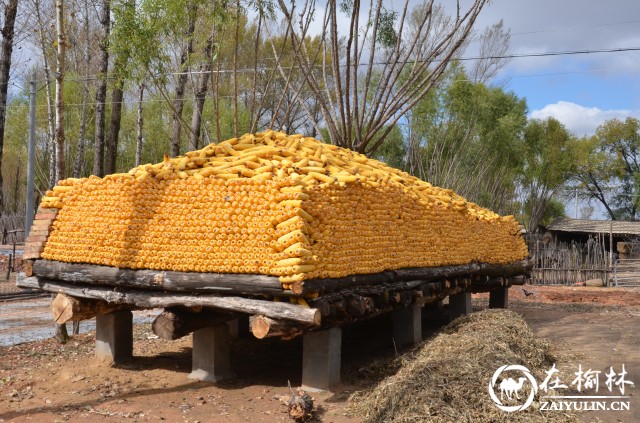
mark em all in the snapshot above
pixel 201 91
pixel 44 42
pixel 101 91
pixel 178 100
pixel 384 64
pixel 117 97
pixel 494 44
pixel 78 166
pixel 6 50
pixel 139 138
pixel 60 70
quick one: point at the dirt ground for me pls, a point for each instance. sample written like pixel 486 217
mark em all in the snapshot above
pixel 43 381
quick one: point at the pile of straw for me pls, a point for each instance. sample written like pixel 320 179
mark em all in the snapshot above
pixel 446 378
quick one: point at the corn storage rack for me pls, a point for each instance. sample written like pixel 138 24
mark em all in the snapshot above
pixel 297 236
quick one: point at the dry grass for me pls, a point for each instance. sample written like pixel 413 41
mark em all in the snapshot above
pixel 446 378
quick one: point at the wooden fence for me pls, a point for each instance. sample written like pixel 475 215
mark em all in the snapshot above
pixel 11 228
pixel 569 263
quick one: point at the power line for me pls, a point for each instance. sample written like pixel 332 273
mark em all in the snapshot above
pixel 381 63
pixel 554 53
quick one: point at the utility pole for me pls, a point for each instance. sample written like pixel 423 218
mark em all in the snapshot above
pixel 576 203
pixel 31 156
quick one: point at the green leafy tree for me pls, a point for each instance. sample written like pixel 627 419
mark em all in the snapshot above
pixel 548 156
pixel 467 136
pixel 609 167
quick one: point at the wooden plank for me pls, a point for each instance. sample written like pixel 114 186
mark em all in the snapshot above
pixel 228 283
pixel 154 299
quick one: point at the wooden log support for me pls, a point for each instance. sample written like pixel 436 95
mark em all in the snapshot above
pixel 154 299
pixel 176 322
pixel 261 284
pixel 264 327
pixel 224 283
pixel 322 286
pixel 27 267
pixel 66 308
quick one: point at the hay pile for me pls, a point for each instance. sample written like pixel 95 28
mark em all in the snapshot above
pixel 446 378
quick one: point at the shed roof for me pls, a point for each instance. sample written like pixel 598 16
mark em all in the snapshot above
pixel 616 227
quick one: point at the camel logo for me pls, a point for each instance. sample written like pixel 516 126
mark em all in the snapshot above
pixel 513 389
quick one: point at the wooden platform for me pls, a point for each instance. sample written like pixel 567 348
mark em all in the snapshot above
pixel 204 304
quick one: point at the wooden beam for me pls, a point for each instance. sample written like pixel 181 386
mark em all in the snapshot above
pixel 154 299
pixel 322 286
pixel 264 327
pixel 176 322
pixel 227 283
pixel 66 308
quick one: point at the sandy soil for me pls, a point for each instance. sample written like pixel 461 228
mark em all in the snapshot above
pixel 574 294
pixel 43 381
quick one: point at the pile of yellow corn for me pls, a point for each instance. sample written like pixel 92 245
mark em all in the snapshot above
pixel 273 204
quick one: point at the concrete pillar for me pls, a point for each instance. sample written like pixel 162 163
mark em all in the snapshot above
pixel 211 358
pixel 321 354
pixel 459 304
pixel 499 297
pixel 239 328
pixel 234 328
pixel 407 325
pixel 114 336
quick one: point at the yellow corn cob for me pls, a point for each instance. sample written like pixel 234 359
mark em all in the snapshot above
pixel 272 204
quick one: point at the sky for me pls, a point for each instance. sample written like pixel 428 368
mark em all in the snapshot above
pixel 582 91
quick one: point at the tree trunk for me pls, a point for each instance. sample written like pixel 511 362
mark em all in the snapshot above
pixel 114 128
pixel 203 84
pixel 178 102
pixel 10 12
pixel 174 323
pixel 65 308
pixel 264 327
pixel 60 70
pixel 140 124
pixel 235 72
pixel 51 127
pixel 101 91
pixel 16 185
pixel 78 166
pixel 154 299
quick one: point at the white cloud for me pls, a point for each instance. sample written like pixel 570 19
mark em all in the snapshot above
pixel 579 119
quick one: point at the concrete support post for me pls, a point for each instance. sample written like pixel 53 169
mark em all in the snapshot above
pixel 321 354
pixel 499 297
pixel 114 336
pixel 407 325
pixel 234 328
pixel 211 358
pixel 459 304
